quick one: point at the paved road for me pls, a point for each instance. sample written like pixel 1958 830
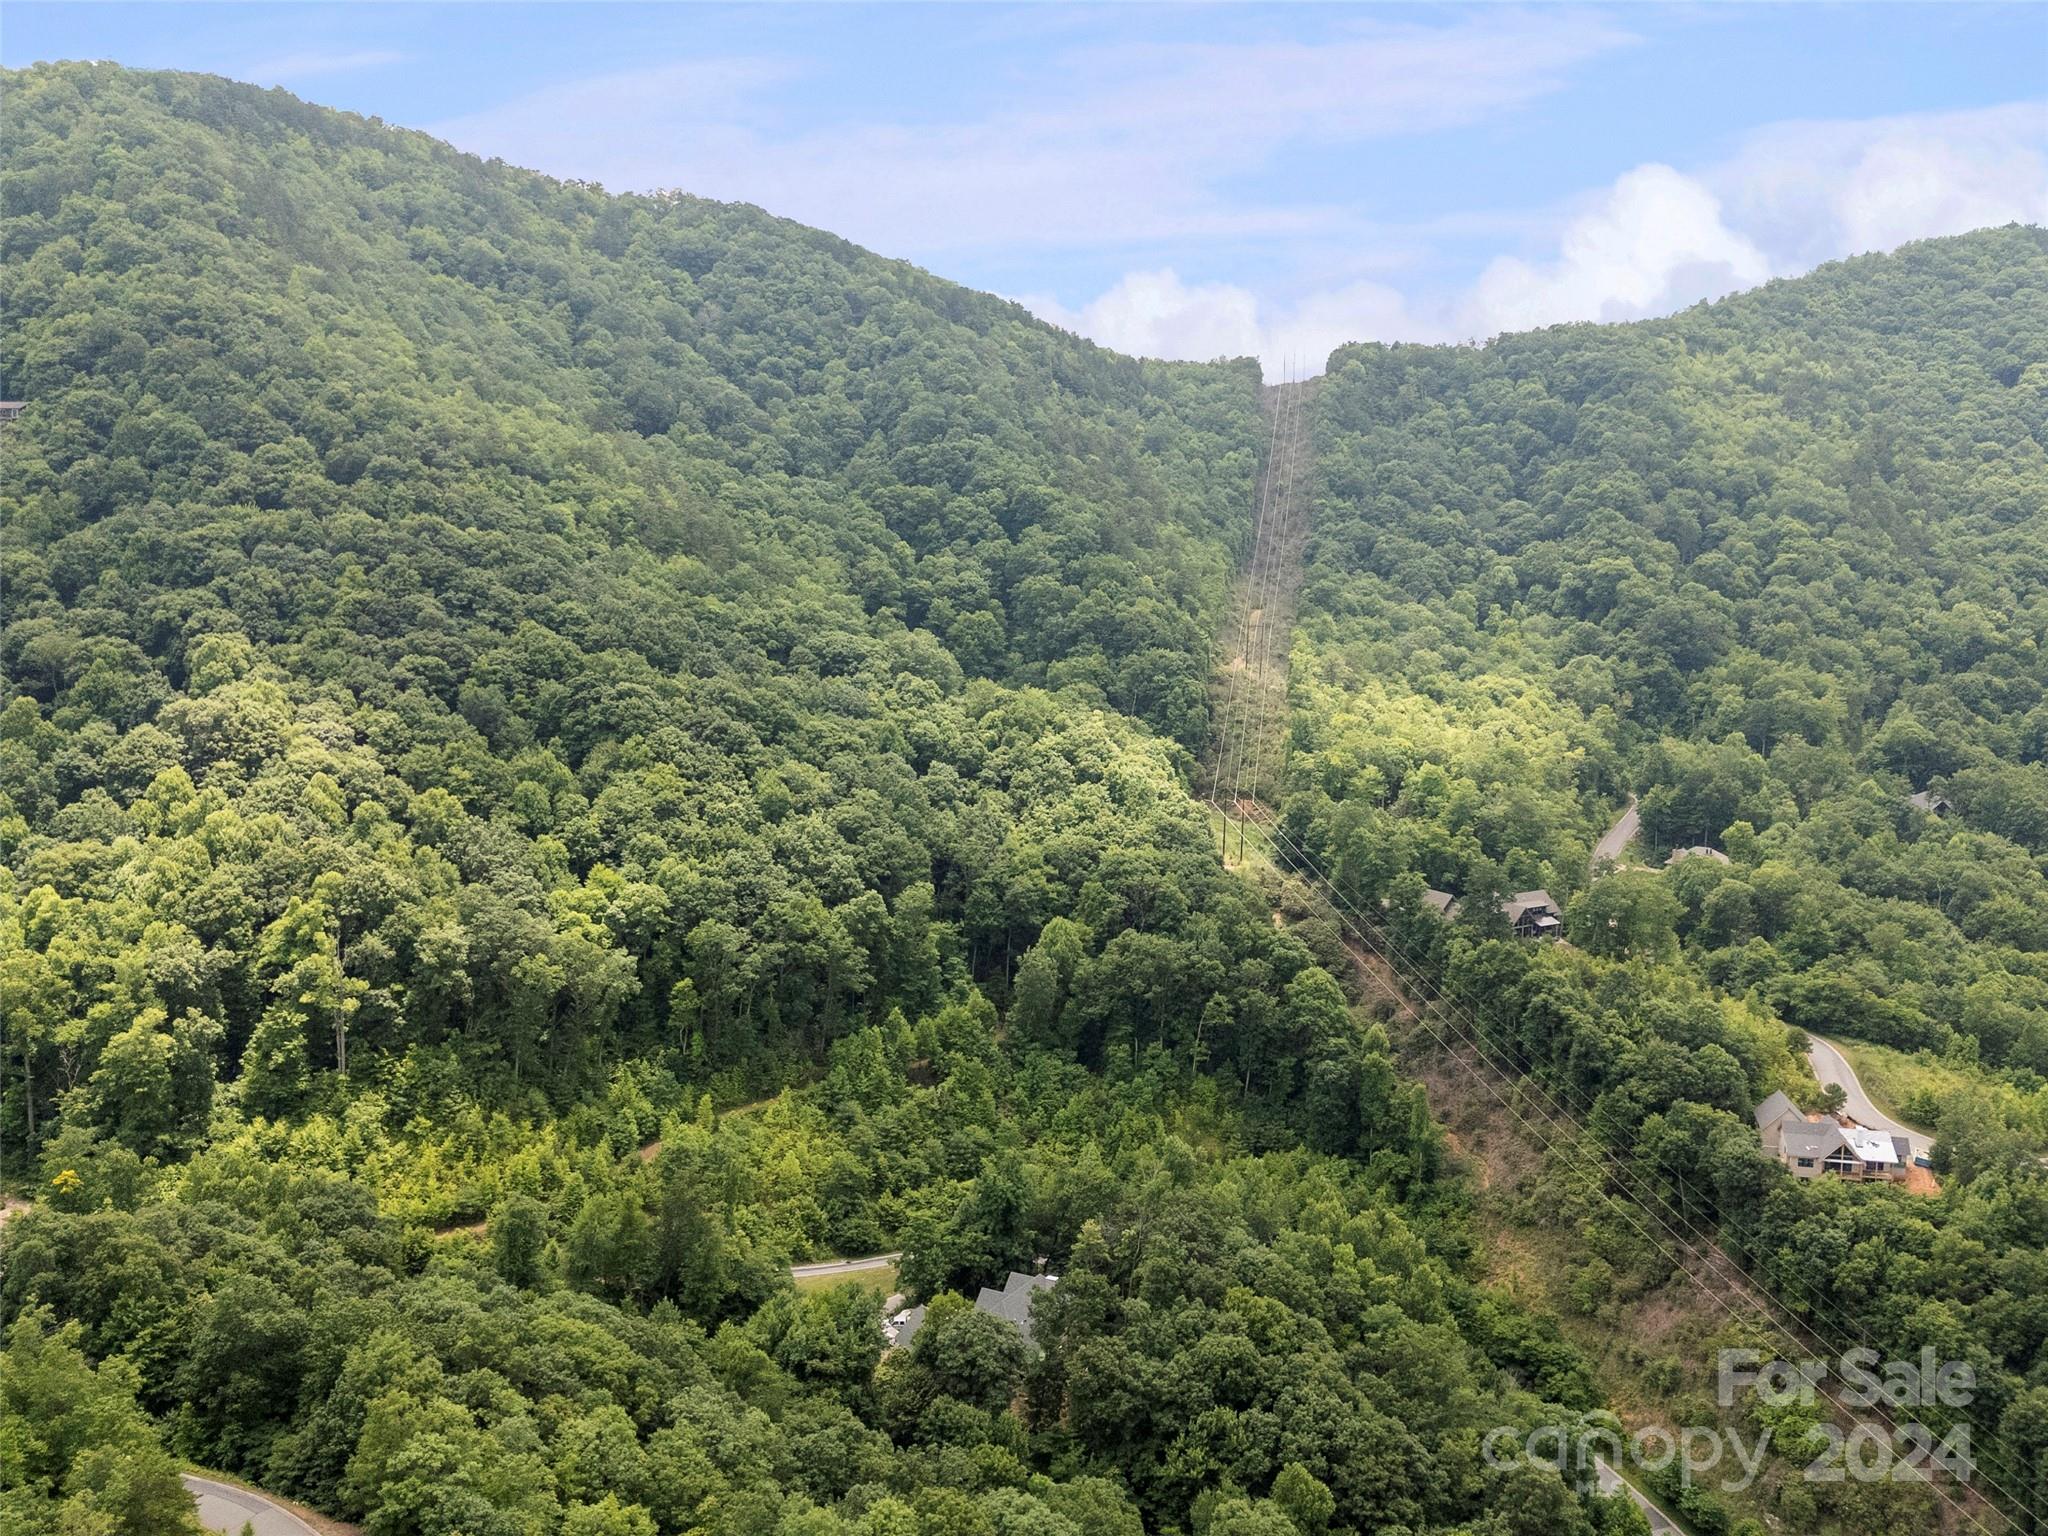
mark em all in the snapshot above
pixel 226 1508
pixel 1618 836
pixel 842 1266
pixel 1831 1066
pixel 1612 1482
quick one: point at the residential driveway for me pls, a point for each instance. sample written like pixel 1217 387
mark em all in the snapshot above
pixel 1618 836
pixel 1831 1066
pixel 1612 1482
pixel 226 1508
pixel 842 1266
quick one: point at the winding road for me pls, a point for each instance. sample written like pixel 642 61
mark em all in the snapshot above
pixel 224 1507
pixel 1831 1066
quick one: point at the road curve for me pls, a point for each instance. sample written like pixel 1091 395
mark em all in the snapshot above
pixel 1831 1066
pixel 224 1507
pixel 1618 836
pixel 842 1266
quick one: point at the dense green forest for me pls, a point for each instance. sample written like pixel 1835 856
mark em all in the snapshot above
pixel 500 674
pixel 561 752
pixel 1776 564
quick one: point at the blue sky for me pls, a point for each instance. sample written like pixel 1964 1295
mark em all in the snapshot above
pixel 1190 181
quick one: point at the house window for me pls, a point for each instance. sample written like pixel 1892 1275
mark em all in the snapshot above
pixel 1806 1162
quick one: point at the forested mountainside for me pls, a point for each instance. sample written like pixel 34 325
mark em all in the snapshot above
pixel 1778 564
pixel 468 611
pixel 562 752
pixel 500 675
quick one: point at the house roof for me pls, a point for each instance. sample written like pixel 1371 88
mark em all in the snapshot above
pixel 1441 900
pixel 1812 1138
pixel 1524 902
pixel 1928 800
pixel 1697 851
pixel 1774 1109
pixel 1012 1304
pixel 1871 1146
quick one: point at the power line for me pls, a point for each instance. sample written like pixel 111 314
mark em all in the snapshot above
pixel 1365 932
pixel 1449 1009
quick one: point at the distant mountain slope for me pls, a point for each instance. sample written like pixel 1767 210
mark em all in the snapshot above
pixel 223 298
pixel 1779 565
pixel 587 624
pixel 1741 478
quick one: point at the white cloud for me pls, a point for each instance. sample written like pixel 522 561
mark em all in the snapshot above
pixel 1108 145
pixel 1812 191
pixel 309 65
pixel 1653 242
pixel 1156 314
pixel 1656 240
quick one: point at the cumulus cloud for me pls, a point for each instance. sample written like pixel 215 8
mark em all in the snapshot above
pixel 1811 191
pixel 1156 314
pixel 1653 242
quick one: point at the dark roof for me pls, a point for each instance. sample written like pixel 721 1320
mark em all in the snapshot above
pixel 1012 1304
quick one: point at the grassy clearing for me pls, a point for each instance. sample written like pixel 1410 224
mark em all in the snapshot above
pixel 883 1280
pixel 1895 1079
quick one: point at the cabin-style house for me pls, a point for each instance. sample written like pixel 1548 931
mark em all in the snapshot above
pixel 1811 1146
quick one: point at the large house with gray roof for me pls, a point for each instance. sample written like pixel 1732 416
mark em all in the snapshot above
pixel 1813 1145
pixel 1012 1304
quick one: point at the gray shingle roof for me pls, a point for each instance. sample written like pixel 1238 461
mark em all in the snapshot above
pixel 1012 1304
pixel 1526 901
pixel 1815 1138
pixel 1774 1109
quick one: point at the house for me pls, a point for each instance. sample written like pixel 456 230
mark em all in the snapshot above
pixel 9 409
pixel 1443 903
pixel 1012 1304
pixel 1812 1145
pixel 1696 851
pixel 1533 915
pixel 1932 803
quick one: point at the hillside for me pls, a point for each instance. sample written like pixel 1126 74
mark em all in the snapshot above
pixel 564 752
pixel 1775 564
pixel 500 675
pixel 384 502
